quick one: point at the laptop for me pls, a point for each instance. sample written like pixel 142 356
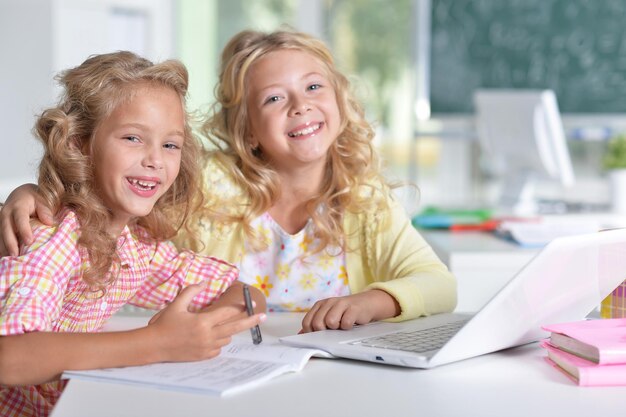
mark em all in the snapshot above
pixel 564 282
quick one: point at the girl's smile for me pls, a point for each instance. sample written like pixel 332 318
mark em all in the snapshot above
pixel 144 186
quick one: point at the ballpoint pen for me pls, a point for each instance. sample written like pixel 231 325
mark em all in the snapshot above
pixel 255 331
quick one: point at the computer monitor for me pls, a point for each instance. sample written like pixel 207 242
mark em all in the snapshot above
pixel 522 134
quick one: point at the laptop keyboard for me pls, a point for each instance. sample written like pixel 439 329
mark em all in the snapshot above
pixel 415 341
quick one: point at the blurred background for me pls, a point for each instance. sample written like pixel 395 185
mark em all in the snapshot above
pixel 413 63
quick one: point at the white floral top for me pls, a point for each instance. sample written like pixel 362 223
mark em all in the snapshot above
pixel 290 281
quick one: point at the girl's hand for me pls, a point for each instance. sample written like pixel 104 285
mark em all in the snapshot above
pixel 15 228
pixel 180 335
pixel 344 312
pixel 233 296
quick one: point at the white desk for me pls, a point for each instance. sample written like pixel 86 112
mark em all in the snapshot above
pixel 481 262
pixel 512 383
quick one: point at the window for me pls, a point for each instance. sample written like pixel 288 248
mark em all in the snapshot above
pixel 370 39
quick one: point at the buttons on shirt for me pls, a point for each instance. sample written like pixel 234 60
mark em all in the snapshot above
pixel 104 305
pixel 24 291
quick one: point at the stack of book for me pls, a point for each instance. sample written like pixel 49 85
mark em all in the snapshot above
pixel 590 352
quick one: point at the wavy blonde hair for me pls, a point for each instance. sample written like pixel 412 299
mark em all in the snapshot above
pixel 352 179
pixel 66 176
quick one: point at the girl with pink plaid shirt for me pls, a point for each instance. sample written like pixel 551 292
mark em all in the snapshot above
pixel 120 168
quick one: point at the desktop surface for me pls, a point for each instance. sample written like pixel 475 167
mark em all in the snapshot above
pixel 514 382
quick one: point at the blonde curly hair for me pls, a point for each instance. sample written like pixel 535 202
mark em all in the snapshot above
pixel 92 91
pixel 352 179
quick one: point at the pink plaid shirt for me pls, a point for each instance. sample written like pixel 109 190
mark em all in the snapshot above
pixel 42 290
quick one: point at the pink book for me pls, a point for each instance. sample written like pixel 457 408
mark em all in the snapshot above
pixel 583 372
pixel 600 341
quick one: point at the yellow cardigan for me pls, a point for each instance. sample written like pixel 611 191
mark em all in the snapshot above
pixel 385 252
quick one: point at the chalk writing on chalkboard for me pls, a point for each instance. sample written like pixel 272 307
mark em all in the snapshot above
pixel 575 47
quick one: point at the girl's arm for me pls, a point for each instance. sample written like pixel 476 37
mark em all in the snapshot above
pixel 15 228
pixel 405 266
pixel 171 270
pixel 176 335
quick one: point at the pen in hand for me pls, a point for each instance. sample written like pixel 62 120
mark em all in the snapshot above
pixel 255 331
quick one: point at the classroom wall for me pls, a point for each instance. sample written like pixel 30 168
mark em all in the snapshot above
pixel 25 85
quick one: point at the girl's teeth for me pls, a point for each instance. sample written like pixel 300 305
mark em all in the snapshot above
pixel 146 185
pixel 306 131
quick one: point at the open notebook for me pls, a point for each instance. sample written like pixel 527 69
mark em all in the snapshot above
pixel 241 365
pixel 563 282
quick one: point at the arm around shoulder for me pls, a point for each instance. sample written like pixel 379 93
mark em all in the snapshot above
pixel 15 228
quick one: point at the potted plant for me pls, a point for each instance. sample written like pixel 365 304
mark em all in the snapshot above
pixel 615 163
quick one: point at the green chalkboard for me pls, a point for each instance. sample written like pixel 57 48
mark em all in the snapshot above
pixel 575 47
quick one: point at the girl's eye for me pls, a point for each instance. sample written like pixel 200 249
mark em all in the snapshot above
pixel 171 146
pixel 131 138
pixel 315 86
pixel 272 99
